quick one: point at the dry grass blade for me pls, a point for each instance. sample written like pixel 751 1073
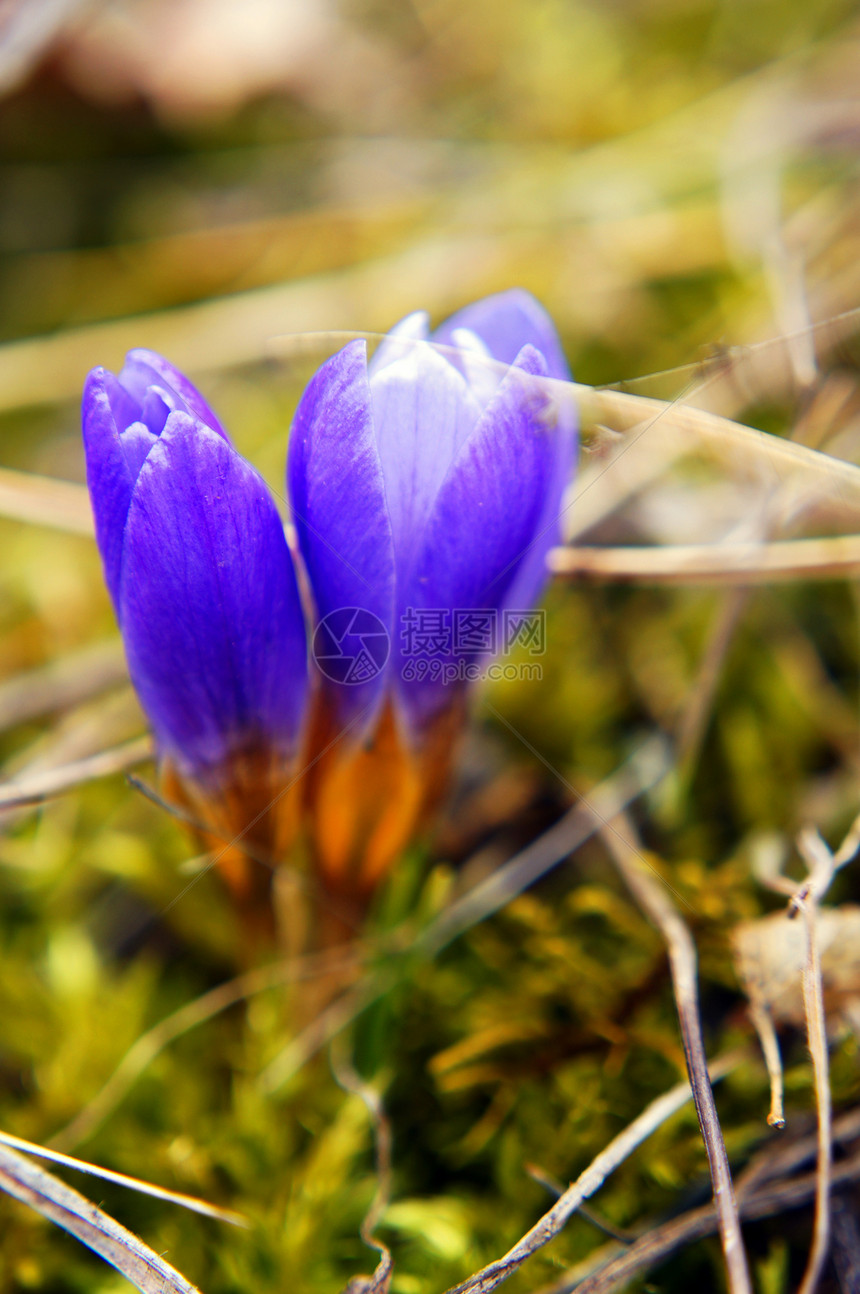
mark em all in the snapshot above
pixel 62 683
pixel 653 435
pixel 122 1179
pixel 45 501
pixel 620 839
pixel 45 1193
pixel 832 558
pixel 657 1245
pixel 238 329
pixel 586 1184
pixel 760 1194
pixel 656 433
pixel 35 787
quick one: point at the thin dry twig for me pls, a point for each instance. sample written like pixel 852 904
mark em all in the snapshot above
pixel 558 1189
pixel 778 1158
pixel 813 1001
pixel 351 1081
pixel 762 1022
pixel 89 1224
pixel 804 899
pixel 626 852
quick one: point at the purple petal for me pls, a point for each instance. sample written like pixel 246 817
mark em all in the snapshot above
pixel 505 323
pixel 530 574
pixel 495 512
pixel 337 495
pixel 209 605
pixel 156 409
pixel 482 372
pixel 423 412
pixel 400 340
pixel 124 407
pixel 145 368
pixel 113 462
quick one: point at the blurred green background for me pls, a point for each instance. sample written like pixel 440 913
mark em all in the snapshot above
pixel 233 185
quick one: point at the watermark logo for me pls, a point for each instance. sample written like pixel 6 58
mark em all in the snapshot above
pixel 351 646
pixel 422 669
pixel 436 633
pixel 445 645
pixel 525 629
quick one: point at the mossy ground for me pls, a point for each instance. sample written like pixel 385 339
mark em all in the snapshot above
pixel 593 154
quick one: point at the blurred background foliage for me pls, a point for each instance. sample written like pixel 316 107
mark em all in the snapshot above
pixel 231 184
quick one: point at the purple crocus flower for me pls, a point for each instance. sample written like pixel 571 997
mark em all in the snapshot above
pixel 424 484
pixel 204 590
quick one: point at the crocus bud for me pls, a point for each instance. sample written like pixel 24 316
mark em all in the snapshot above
pixel 204 590
pixel 425 487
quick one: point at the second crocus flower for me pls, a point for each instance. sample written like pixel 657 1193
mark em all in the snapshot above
pixel 424 484
pixel 204 590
